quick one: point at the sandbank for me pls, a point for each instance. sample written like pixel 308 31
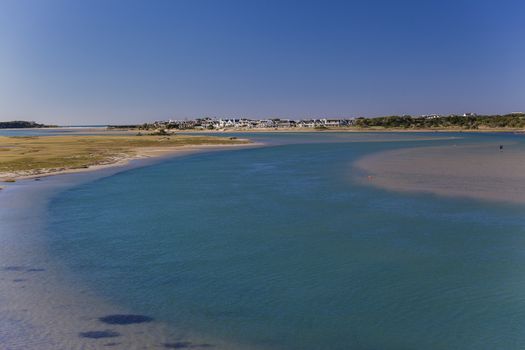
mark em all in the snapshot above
pixel 480 171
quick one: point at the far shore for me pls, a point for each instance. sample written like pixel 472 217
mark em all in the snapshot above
pixel 101 130
pixel 351 130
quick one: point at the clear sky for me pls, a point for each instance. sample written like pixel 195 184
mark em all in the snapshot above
pixel 109 61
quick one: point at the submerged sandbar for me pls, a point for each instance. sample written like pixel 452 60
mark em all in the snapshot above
pixel 481 171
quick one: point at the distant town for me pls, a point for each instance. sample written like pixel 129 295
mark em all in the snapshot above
pixel 464 121
pixel 245 123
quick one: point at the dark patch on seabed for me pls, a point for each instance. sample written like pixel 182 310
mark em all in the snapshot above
pixel 99 334
pixel 111 344
pixel 186 345
pixel 19 280
pixel 125 319
pixel 22 268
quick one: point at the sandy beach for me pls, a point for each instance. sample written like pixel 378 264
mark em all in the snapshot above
pixel 475 171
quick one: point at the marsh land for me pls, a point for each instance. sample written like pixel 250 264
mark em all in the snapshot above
pixel 41 155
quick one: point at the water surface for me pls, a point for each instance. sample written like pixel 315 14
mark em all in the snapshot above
pixel 279 248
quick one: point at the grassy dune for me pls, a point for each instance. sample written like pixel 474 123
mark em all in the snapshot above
pixel 42 154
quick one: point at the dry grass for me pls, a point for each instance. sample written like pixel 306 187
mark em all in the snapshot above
pixel 20 154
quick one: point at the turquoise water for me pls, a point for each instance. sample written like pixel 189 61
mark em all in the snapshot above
pixel 279 247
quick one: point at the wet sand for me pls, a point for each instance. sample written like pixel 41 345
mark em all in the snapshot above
pixel 479 171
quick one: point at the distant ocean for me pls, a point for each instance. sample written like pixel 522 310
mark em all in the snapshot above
pixel 280 248
pixel 62 130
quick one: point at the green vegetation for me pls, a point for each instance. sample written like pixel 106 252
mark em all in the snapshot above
pixel 508 121
pixel 19 124
pixel 43 153
pixel 122 127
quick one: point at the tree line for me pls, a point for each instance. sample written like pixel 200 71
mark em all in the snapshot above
pixel 20 124
pixel 513 120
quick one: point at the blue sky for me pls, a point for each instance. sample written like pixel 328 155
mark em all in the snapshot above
pixel 109 61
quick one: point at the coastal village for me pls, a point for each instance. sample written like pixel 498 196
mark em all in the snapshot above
pixel 245 123
pixel 465 120
pixel 208 123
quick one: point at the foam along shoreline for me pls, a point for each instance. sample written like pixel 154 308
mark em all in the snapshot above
pixel 44 305
pixel 481 171
pixel 123 159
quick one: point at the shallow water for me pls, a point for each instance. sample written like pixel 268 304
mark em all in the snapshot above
pixel 40 307
pixel 277 247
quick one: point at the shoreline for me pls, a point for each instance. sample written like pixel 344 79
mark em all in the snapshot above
pixel 122 160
